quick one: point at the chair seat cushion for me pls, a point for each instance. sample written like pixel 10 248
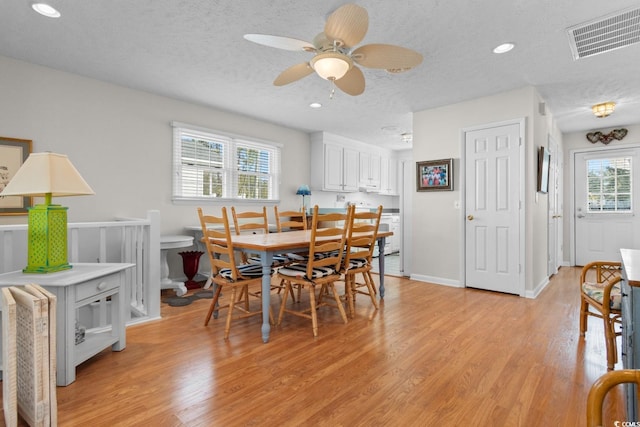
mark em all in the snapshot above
pixel 357 263
pixel 300 271
pixel 596 292
pixel 295 257
pixel 247 270
pixel 277 261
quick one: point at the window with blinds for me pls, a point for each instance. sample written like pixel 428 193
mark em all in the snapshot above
pixel 213 165
pixel 609 185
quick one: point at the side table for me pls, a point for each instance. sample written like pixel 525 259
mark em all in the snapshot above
pixel 166 243
pixel 75 288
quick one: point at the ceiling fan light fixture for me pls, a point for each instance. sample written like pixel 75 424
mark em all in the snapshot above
pixel 604 109
pixel 331 65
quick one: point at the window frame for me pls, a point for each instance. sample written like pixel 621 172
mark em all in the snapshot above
pixel 230 166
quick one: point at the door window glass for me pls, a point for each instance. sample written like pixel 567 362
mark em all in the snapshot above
pixel 609 185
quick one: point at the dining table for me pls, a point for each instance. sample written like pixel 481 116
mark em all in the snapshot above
pixel 266 245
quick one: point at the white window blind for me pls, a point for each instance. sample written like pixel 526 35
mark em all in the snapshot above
pixel 609 185
pixel 208 164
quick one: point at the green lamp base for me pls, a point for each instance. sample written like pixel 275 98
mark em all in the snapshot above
pixel 47 252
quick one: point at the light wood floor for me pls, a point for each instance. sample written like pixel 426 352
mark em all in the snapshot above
pixel 432 356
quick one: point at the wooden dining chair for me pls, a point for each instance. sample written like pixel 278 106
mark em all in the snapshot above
pixel 226 273
pixel 321 270
pixel 601 387
pixel 361 241
pixel 291 221
pixel 601 297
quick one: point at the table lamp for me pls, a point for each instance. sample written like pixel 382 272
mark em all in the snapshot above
pixel 47 175
pixel 303 190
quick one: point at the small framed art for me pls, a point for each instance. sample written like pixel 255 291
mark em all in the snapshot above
pixel 13 153
pixel 434 175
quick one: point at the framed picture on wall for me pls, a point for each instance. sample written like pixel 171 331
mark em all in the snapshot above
pixel 434 175
pixel 543 170
pixel 13 153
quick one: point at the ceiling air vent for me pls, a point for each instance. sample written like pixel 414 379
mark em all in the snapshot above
pixel 604 34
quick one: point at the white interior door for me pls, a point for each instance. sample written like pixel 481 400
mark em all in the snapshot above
pixel 492 201
pixel 606 196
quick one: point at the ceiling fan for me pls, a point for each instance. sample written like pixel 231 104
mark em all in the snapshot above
pixel 335 58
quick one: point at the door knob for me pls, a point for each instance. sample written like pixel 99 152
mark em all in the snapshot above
pixel 580 215
pixel 470 217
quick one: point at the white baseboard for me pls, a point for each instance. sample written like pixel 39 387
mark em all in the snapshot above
pixel 533 294
pixel 437 280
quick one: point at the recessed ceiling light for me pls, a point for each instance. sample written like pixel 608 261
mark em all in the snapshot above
pixel 315 105
pixel 46 10
pixel 504 48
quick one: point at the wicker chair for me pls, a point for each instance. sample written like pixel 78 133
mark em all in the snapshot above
pixel 601 387
pixel 601 297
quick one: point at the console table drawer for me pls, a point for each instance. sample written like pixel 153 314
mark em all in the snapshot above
pixel 97 286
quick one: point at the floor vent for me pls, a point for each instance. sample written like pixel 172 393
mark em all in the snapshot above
pixel 612 32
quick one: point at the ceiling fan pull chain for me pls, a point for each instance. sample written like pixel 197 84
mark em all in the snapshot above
pixel 332 92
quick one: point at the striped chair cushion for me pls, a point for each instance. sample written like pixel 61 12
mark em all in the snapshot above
pixel 596 291
pixel 300 271
pixel 294 257
pixel 247 270
pixel 357 263
pixel 277 261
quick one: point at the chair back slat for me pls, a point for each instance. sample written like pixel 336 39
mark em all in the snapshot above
pixel 290 220
pixel 328 235
pixel 362 246
pixel 250 221
pixel 216 234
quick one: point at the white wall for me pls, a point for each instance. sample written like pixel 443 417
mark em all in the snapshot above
pixel 121 141
pixel 578 141
pixel 437 224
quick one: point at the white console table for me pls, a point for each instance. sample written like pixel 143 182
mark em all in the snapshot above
pixel 75 288
pixel 166 243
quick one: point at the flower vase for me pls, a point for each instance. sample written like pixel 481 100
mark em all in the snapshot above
pixel 190 263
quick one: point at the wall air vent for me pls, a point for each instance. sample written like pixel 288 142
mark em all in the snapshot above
pixel 605 34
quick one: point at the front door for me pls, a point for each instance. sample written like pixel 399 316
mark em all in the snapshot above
pixel 492 209
pixel 606 196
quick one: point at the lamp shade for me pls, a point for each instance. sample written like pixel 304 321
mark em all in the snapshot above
pixel 44 174
pixel 303 190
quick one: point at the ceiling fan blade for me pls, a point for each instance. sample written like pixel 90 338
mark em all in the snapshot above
pixel 293 73
pixel 286 43
pixel 386 56
pixel 348 24
pixel 352 83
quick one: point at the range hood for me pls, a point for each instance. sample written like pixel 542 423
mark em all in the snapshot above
pixel 369 189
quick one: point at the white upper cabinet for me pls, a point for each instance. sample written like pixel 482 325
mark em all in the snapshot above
pixel 369 177
pixel 389 176
pixel 334 166
pixel 343 165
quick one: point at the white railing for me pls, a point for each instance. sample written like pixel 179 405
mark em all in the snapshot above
pixel 127 240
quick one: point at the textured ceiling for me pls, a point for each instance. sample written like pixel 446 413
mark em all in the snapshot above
pixel 193 50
